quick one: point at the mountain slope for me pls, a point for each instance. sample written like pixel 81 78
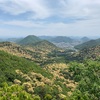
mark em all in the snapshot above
pixel 41 50
pixel 15 49
pixel 90 53
pixel 44 45
pixel 35 52
pixel 29 39
pixel 10 63
pixel 85 39
pixel 89 44
pixel 24 75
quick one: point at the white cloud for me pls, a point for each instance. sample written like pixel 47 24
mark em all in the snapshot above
pixel 80 8
pixel 81 28
pixel 19 23
pixel 42 9
pixel 16 7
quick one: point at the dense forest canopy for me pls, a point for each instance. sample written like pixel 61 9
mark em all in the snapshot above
pixel 65 75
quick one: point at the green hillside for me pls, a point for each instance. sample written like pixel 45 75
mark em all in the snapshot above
pixel 75 81
pixel 89 44
pixel 40 51
pixel 10 63
pixel 22 79
pixel 90 53
pixel 26 81
pixel 46 45
pixel 15 49
pixel 87 74
pixel 37 52
pixel 29 39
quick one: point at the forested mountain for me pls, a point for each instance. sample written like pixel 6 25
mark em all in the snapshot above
pixel 34 51
pixel 15 49
pixel 22 79
pixel 49 49
pixel 90 53
pixel 9 63
pixel 91 43
pixel 40 51
pixel 64 41
pixel 29 39
pixel 42 71
pixel 23 75
pixel 44 44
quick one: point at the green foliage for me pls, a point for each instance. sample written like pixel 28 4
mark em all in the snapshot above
pixel 89 44
pixel 37 98
pixel 77 95
pixel 58 82
pixel 48 97
pixel 47 92
pixel 44 45
pixel 9 63
pixel 87 75
pixel 42 90
pixel 14 92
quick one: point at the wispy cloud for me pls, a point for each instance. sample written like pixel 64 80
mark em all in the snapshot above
pixel 52 16
pixel 28 24
pixel 41 9
pixel 17 7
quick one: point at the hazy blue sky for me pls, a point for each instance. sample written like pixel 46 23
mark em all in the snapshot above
pixel 49 17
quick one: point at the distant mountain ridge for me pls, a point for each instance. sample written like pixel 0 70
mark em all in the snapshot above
pixel 15 40
pixel 59 39
pixel 29 40
pixel 89 44
pixel 44 44
pixel 85 39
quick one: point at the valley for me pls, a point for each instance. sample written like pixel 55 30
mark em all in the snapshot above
pixel 49 49
pixel 50 68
